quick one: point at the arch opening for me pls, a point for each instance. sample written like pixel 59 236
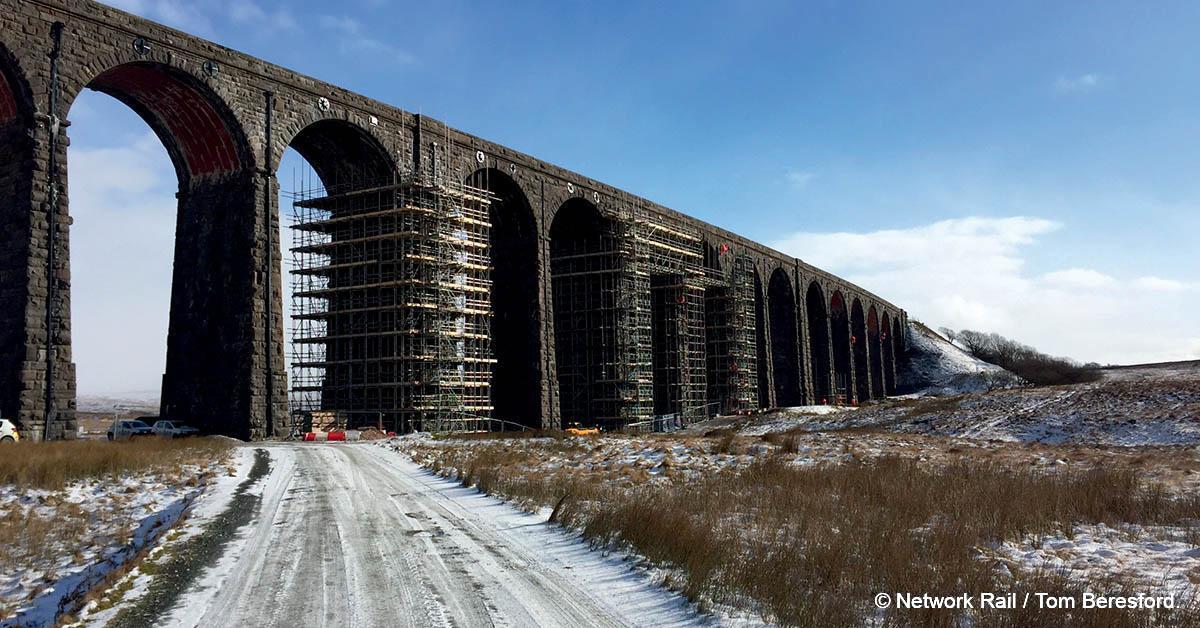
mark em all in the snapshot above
pixel 359 352
pixel 205 249
pixel 785 357
pixel 344 156
pixel 516 312
pixel 16 112
pixel 876 354
pixel 897 343
pixel 858 343
pixel 889 355
pixel 818 338
pixel 840 323
pixel 760 336
pixel 584 270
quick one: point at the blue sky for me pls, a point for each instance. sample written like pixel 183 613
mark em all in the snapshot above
pixel 1026 168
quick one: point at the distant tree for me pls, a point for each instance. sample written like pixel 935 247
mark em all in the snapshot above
pixel 1029 363
pixel 977 343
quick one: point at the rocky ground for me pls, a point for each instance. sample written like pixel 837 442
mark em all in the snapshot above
pixel 1130 406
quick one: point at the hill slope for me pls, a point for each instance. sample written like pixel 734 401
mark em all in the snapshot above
pixel 937 367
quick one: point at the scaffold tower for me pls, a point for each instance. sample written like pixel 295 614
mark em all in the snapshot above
pixel 391 305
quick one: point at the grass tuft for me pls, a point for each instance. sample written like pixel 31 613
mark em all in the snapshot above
pixel 52 465
pixel 812 545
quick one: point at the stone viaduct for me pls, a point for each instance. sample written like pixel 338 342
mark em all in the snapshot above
pixel 226 118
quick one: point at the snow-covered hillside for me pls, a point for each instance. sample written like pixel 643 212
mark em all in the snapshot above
pixel 935 366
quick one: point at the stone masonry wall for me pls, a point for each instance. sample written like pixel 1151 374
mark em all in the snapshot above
pixel 226 368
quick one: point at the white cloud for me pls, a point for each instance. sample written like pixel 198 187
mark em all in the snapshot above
pixel 1078 278
pixel 972 273
pixel 799 179
pixel 1081 83
pixel 198 16
pixel 990 241
pixel 1161 285
pixel 188 16
pixel 355 42
pixel 247 12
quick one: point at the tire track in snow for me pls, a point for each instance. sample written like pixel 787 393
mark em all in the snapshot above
pixel 355 535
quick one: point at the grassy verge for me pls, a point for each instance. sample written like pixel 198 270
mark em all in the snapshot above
pixel 52 465
pixel 811 546
pixel 65 502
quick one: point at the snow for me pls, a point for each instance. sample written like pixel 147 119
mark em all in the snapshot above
pixel 356 534
pixel 625 459
pixel 206 506
pixel 938 367
pixel 1158 559
pixel 1154 405
pixel 1124 412
pixel 788 419
pixel 99 525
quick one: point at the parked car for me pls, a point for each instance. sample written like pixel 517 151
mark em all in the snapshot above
pixel 8 432
pixel 124 430
pixel 174 429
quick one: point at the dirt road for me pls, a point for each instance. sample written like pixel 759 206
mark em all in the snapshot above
pixel 355 535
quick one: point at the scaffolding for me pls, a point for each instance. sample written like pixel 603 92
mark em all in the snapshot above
pixel 629 320
pixel 671 323
pixel 590 279
pixel 729 324
pixel 391 304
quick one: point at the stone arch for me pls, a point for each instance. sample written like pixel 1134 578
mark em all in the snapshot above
pixel 198 128
pixel 213 333
pixel 582 266
pixel 889 355
pixel 858 344
pixel 760 335
pixel 818 338
pixel 16 119
pixel 785 356
pixel 840 331
pixel 344 155
pixel 876 354
pixel 517 314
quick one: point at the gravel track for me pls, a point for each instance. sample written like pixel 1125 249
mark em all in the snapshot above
pixel 356 535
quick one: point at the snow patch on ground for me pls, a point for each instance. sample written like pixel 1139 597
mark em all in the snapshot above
pixel 1129 407
pixel 788 419
pixel 206 506
pixel 1158 559
pixel 98 525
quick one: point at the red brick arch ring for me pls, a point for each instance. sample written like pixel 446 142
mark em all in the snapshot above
pixel 15 103
pixel 188 113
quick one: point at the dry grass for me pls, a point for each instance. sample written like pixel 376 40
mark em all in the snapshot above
pixel 52 465
pixel 811 545
pixel 43 528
